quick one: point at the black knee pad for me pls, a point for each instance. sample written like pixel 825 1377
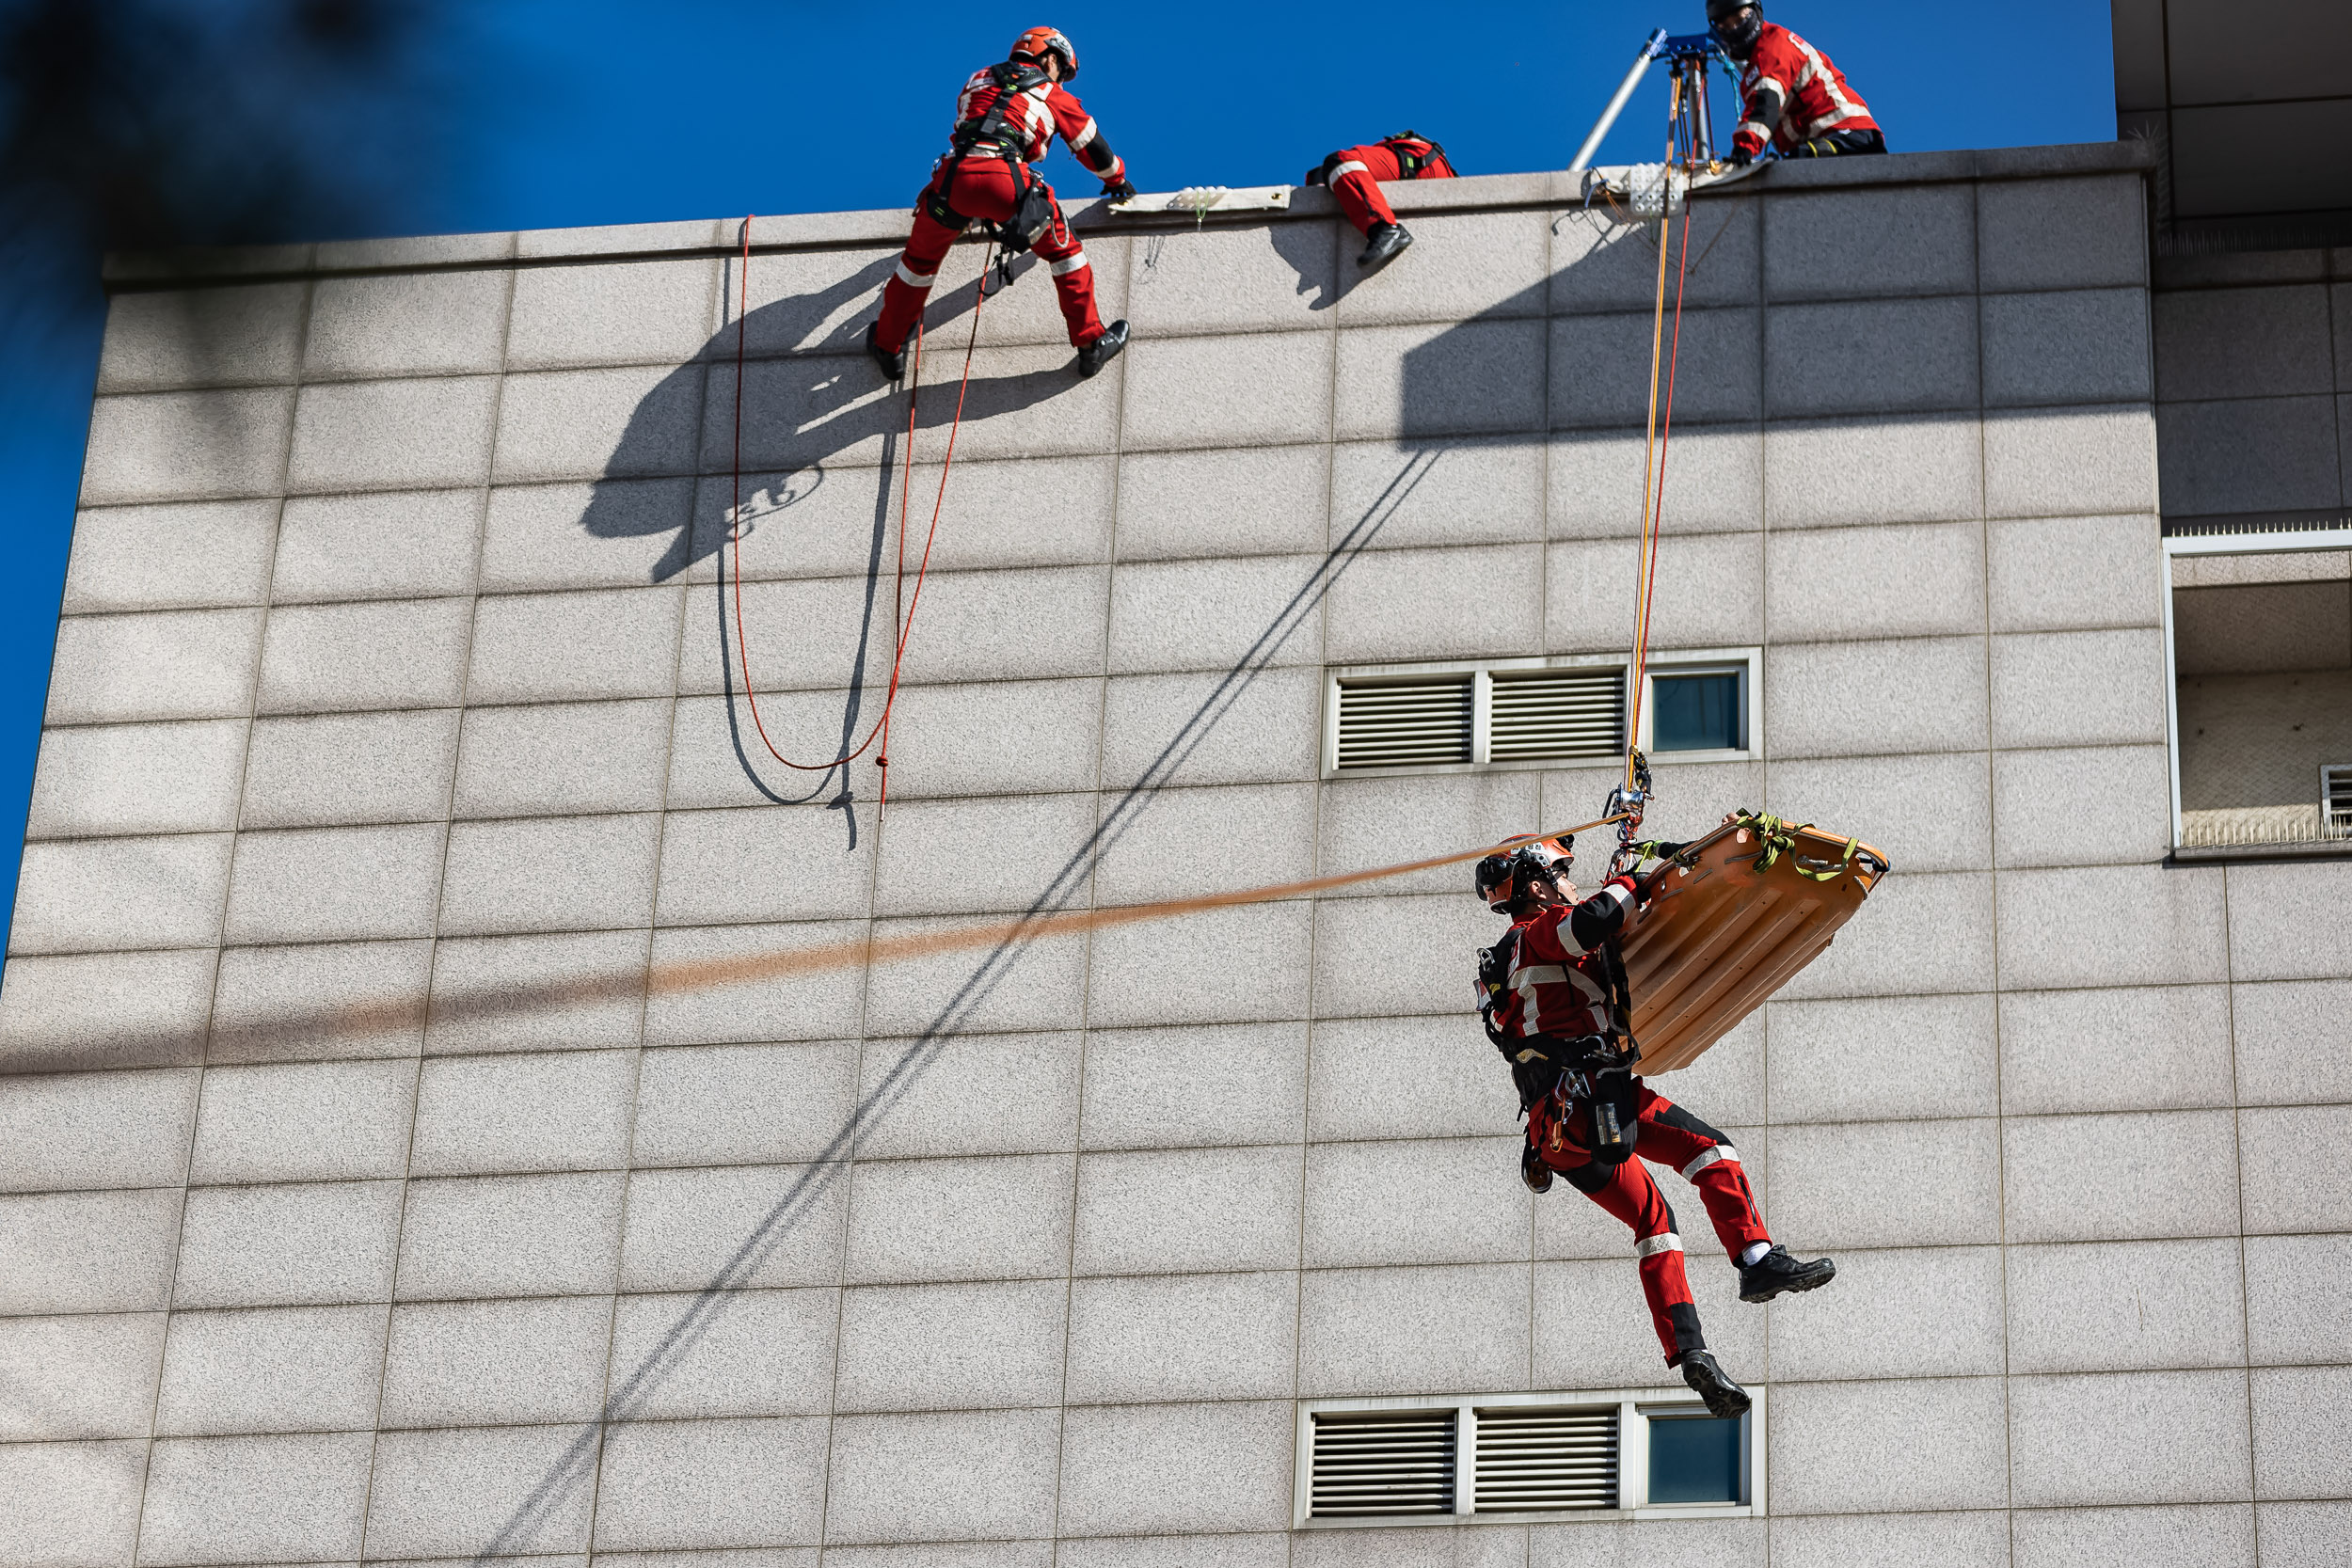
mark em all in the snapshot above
pixel 1590 1178
pixel 1675 1116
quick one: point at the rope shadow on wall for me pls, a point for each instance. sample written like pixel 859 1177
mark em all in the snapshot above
pixel 579 1464
pixel 819 427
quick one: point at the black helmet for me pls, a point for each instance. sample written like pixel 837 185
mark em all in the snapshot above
pixel 1745 18
pixel 1501 877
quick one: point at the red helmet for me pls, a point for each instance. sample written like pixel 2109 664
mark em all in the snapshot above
pixel 1501 877
pixel 1038 42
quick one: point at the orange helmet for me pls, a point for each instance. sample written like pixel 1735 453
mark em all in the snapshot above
pixel 1501 877
pixel 1038 42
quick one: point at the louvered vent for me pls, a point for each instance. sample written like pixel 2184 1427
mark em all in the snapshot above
pixel 1405 724
pixel 1384 1461
pixel 1559 713
pixel 2335 785
pixel 1547 1459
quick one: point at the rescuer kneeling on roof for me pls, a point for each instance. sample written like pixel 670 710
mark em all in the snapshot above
pixel 1790 96
pixel 1005 119
pixel 1552 995
pixel 1353 174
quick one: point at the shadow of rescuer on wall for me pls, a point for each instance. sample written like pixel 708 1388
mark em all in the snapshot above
pixel 1005 117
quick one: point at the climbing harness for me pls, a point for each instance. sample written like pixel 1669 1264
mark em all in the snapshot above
pixel 1409 164
pixel 902 606
pixel 1033 208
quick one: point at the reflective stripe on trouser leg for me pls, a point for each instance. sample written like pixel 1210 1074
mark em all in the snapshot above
pixel 1632 1195
pixel 902 297
pixel 1355 184
pixel 1671 1135
pixel 1073 279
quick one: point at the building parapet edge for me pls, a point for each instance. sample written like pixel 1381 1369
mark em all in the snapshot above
pixel 148 270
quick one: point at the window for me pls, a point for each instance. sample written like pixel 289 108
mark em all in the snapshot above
pixel 1535 712
pixel 2260 631
pixel 1608 1454
pixel 1698 712
pixel 1693 1459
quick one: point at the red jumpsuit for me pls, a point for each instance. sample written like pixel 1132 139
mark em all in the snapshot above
pixel 1559 992
pixel 983 182
pixel 1791 95
pixel 1353 174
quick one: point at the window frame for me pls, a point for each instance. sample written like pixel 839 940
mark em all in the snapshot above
pixel 2271 541
pixel 1633 1407
pixel 1747 662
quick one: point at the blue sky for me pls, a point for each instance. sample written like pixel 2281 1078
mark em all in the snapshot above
pixel 563 112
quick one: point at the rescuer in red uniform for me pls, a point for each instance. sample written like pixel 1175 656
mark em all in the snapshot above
pixel 1353 174
pixel 1552 995
pixel 1005 117
pixel 1790 96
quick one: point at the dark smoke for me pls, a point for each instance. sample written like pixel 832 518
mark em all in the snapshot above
pixel 157 125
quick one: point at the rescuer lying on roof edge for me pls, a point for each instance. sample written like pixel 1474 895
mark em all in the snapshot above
pixel 1791 95
pixel 1353 174
pixel 1007 116
pixel 1552 996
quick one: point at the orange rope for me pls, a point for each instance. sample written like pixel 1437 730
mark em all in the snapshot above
pixel 670 979
pixel 1658 435
pixel 903 608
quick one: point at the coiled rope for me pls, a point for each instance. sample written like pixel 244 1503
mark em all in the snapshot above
pixel 903 608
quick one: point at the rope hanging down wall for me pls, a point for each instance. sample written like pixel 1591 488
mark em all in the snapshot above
pixel 903 608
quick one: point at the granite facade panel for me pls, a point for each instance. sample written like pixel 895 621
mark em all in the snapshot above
pixel 1063 1228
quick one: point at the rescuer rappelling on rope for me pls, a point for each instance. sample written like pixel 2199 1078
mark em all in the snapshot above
pixel 1353 174
pixel 1553 996
pixel 1005 117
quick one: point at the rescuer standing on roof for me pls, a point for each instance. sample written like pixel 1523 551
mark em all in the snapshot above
pixel 1791 95
pixel 1552 996
pixel 1005 117
pixel 1353 174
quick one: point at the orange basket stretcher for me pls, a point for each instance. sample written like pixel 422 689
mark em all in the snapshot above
pixel 1731 918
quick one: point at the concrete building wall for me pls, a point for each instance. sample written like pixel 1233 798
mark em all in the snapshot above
pixel 395 666
pixel 2254 382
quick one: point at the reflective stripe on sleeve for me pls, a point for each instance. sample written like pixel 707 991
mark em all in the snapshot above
pixel 914 279
pixel 1087 133
pixel 1350 167
pixel 1650 1247
pixel 1755 127
pixel 1069 264
pixel 1707 1157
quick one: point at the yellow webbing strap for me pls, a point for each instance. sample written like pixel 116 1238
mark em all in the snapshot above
pixel 1777 836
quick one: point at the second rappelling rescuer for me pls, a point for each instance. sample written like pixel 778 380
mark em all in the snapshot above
pixel 1791 97
pixel 1552 995
pixel 1005 117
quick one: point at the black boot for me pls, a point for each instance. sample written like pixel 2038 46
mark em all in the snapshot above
pixel 1095 356
pixel 1534 1171
pixel 1724 1398
pixel 892 360
pixel 1775 1271
pixel 1387 240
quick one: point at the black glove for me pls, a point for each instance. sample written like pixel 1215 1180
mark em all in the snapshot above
pixel 1740 157
pixel 1314 176
pixel 1119 190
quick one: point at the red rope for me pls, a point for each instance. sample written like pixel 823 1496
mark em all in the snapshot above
pixel 903 608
